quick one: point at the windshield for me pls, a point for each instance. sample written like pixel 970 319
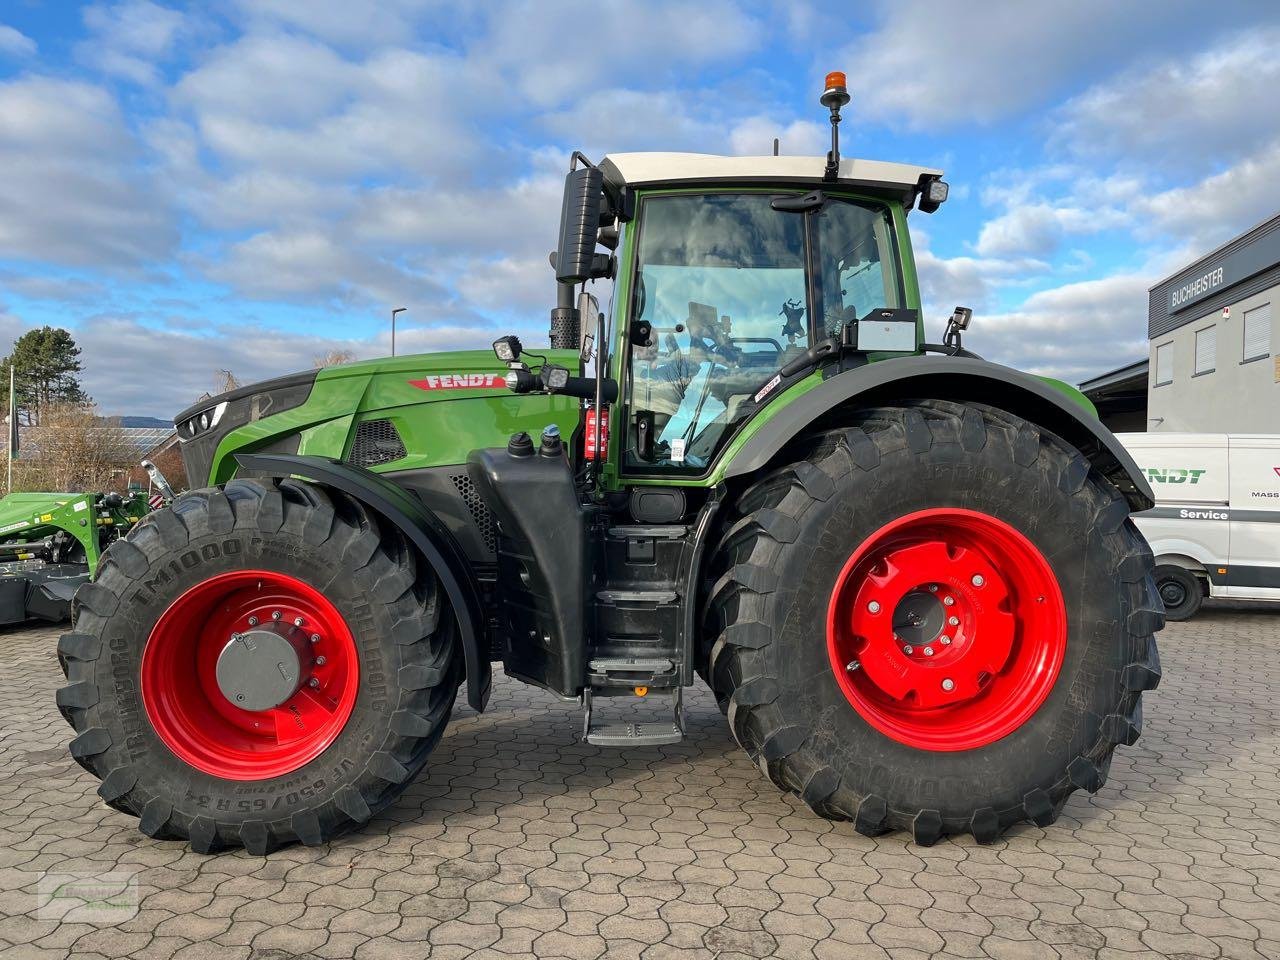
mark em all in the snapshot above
pixel 722 280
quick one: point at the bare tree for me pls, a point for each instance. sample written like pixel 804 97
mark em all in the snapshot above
pixel 226 380
pixel 332 358
pixel 73 449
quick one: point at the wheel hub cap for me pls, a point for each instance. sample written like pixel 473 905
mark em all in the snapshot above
pixel 946 629
pixel 261 669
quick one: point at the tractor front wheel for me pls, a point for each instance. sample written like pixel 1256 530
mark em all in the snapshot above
pixel 941 620
pixel 257 665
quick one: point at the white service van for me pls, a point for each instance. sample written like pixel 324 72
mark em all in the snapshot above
pixel 1215 528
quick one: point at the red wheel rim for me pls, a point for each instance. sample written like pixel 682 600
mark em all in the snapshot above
pixel 194 712
pixel 946 629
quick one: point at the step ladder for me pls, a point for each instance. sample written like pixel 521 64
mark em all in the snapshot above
pixel 615 678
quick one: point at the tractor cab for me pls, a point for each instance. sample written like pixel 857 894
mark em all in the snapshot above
pixel 733 279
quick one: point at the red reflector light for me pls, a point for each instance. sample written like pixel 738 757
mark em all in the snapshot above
pixel 593 447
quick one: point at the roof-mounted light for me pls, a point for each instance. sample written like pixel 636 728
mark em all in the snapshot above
pixel 835 96
pixel 933 193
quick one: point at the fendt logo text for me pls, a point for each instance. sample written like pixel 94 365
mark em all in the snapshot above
pixel 460 381
pixel 1160 475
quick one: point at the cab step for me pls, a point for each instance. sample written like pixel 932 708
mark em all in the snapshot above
pixel 635 734
pixel 656 672
pixel 650 729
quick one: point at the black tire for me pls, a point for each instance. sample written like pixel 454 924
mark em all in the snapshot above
pixel 405 643
pixel 778 563
pixel 1180 591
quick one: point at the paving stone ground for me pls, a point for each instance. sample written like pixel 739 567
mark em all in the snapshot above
pixel 521 841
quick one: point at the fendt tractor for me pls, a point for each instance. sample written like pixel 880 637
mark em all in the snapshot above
pixel 908 575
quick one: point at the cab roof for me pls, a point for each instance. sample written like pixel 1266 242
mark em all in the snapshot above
pixel 673 169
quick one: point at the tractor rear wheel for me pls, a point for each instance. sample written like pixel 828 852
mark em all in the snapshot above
pixel 940 620
pixel 258 665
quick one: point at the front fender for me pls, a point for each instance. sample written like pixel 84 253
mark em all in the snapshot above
pixel 422 529
pixel 959 379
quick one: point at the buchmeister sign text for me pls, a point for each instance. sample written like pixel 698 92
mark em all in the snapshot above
pixel 1195 289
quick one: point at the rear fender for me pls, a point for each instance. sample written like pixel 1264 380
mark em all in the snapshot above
pixel 422 529
pixel 959 379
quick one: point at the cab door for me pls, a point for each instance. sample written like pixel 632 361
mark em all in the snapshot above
pixel 1254 571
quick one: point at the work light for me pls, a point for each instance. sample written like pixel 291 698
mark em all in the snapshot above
pixel 507 349
pixel 554 377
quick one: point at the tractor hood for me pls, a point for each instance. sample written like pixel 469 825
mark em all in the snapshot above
pixel 320 412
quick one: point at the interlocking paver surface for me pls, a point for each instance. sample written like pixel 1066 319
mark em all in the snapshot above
pixel 519 841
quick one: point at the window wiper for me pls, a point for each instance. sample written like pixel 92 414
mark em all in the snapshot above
pixel 814 200
pixel 811 357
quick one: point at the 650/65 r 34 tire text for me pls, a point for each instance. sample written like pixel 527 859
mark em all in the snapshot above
pixel 259 664
pixel 940 620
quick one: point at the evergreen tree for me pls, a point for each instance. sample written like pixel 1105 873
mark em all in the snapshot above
pixel 47 367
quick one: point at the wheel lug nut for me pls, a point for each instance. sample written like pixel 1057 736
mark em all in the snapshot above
pixel 949 601
pixel 928 651
pixel 944 640
pixel 313 682
pixel 948 684
pixel 874 606
pixel 908 649
pixel 275 614
pixel 933 588
pixel 978 580
pixel 315 638
pixel 851 666
pixel 320 661
pixel 953 621
pixel 253 621
pixel 297 621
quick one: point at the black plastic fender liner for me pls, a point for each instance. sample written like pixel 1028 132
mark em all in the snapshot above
pixel 949 378
pixel 424 531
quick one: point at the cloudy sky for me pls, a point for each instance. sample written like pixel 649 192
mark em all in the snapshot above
pixel 245 184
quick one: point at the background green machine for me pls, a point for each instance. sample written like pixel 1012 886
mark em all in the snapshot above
pixel 50 543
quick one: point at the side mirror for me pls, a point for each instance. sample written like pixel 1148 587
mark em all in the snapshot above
pixel 579 223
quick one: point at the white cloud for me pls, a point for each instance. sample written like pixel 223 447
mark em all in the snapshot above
pixel 754 137
pixel 1181 113
pixel 341 22
pixel 1038 229
pixel 1072 331
pixel 129 38
pixel 294 106
pixel 314 264
pixel 967 281
pixel 1218 207
pixel 73 192
pixel 553 56
pixel 932 63
pixel 14 43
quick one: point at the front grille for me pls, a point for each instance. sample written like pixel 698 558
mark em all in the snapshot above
pixel 478 509
pixel 376 442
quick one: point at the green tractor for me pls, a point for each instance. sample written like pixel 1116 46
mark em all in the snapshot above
pixel 50 544
pixel 908 575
